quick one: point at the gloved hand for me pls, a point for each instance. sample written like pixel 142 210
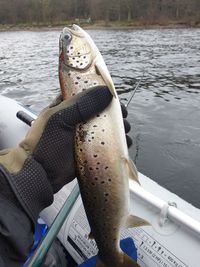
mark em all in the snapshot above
pixel 44 161
pixel 128 247
pixel 127 125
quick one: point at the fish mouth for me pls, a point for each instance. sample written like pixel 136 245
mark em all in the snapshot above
pixel 74 30
pixel 68 32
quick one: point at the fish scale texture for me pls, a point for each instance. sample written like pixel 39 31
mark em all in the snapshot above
pixel 31 187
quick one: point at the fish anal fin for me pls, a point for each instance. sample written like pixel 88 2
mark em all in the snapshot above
pixel 132 170
pixel 100 70
pixel 125 261
pixel 135 221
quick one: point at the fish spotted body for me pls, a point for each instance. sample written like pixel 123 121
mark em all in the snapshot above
pixel 103 163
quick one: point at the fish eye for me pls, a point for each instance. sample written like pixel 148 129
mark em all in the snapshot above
pixel 67 37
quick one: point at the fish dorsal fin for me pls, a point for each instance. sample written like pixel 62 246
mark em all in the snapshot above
pixel 132 171
pixel 135 221
pixel 101 70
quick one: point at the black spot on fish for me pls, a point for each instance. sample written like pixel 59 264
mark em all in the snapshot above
pixel 84 57
pixel 79 53
pixel 97 168
pixel 76 82
pixel 106 167
pixel 103 130
pixel 81 64
pixel 102 143
pixel 81 149
pixel 102 182
pixel 85 81
pixel 92 132
pixel 93 183
pixel 90 168
pixel 94 126
pixel 95 156
pixel 98 163
pixel 71 47
pixel 105 116
pixel 109 180
pixel 78 77
pixel 85 161
pixel 96 178
pixel 98 115
pixel 82 135
pixel 106 194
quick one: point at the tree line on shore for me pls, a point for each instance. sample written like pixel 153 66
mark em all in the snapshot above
pixel 90 11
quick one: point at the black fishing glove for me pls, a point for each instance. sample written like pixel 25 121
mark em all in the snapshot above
pixel 127 125
pixel 44 161
pixel 38 167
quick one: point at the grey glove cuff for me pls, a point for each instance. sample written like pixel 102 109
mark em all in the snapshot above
pixel 31 187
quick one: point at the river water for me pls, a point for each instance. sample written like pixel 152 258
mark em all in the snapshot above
pixel 165 110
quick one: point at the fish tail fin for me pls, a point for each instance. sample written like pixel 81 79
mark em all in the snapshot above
pixel 125 261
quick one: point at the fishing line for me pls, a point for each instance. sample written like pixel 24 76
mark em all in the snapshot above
pixel 134 91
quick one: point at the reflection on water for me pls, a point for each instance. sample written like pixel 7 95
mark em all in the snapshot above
pixel 165 110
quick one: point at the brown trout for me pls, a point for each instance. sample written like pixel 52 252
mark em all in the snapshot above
pixel 103 163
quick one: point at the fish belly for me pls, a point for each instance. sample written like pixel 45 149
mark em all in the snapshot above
pixel 100 152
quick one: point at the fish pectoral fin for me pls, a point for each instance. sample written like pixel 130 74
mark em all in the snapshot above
pixel 135 221
pixel 124 261
pixel 132 170
pixel 107 79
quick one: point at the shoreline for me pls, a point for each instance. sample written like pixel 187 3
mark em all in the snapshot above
pixel 96 26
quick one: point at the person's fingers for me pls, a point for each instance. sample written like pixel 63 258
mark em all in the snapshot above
pixel 85 105
pixel 127 126
pixel 129 141
pixel 124 110
pixel 93 102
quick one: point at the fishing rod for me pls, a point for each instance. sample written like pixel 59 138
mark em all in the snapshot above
pixel 134 91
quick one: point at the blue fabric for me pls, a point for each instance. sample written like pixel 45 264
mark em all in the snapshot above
pixel 40 231
pixel 127 245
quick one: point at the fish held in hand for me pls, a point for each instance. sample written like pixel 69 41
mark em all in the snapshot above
pixel 103 163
